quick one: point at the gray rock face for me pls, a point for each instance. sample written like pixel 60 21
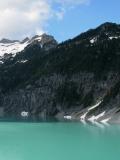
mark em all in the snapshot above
pixel 42 98
pixel 1 112
pixel 46 41
pixel 25 40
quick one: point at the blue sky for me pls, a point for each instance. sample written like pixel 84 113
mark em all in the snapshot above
pixel 83 17
pixel 63 19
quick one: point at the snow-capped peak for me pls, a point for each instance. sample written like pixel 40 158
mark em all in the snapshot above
pixel 14 46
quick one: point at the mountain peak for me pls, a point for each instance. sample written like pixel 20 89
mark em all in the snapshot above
pixel 43 37
pixel 46 41
pixel 106 31
pixel 14 46
pixel 107 26
pixel 25 40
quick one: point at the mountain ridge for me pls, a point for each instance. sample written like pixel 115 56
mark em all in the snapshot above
pixel 14 46
pixel 79 78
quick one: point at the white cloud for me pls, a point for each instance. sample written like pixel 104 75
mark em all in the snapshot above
pixel 20 18
pixel 64 5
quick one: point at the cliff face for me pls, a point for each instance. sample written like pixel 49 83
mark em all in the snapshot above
pixel 79 78
pixel 57 95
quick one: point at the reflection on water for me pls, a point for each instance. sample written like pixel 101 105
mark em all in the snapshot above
pixel 58 141
pixel 33 119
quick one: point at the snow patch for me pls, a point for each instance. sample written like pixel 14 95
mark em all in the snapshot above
pixel 89 109
pixel 1 62
pixel 94 118
pixel 12 48
pixel 23 61
pixel 93 40
pixel 105 120
pixel 83 116
pixel 38 38
pixel 115 37
pixel 24 114
pixel 96 105
pixel 67 117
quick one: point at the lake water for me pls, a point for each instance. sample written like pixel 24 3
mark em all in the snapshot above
pixel 59 141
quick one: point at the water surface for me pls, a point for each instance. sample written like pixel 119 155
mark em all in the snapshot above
pixel 58 141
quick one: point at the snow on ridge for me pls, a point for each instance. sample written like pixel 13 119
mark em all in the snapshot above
pixel 114 37
pixel 93 40
pixel 12 48
pixel 15 47
pixel 22 61
pixel 38 38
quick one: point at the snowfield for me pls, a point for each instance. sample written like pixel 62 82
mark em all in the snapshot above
pixel 12 48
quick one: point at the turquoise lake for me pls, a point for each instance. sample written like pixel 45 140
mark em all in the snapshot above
pixel 59 141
